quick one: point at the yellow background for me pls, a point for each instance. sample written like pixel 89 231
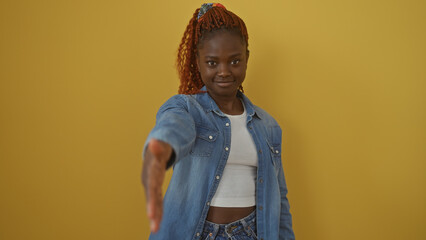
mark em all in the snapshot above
pixel 81 82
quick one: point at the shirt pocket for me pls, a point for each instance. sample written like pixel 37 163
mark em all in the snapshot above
pixel 275 152
pixel 204 142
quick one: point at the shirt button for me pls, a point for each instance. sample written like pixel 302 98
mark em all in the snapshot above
pixel 276 151
pixel 261 180
pixel 226 149
pixel 260 208
pixel 227 124
pixel 210 137
pixel 217 177
pixel 198 234
pixel 260 150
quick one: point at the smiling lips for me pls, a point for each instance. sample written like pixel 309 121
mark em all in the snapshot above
pixel 224 83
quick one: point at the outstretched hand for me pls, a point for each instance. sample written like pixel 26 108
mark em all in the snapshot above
pixel 156 157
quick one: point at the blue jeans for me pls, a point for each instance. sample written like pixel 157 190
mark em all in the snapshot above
pixel 243 229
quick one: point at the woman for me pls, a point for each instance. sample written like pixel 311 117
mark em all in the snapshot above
pixel 228 181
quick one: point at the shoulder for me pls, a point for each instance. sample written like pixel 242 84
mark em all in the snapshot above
pixel 176 101
pixel 181 99
pixel 271 127
pixel 266 118
pixel 182 102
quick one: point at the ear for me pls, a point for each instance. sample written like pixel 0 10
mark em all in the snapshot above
pixel 197 61
pixel 247 55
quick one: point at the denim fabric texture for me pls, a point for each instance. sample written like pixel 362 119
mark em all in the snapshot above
pixel 200 135
pixel 243 229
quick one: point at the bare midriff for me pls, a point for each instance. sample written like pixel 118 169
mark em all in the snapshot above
pixel 225 215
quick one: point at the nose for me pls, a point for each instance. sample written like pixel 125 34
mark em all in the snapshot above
pixel 224 71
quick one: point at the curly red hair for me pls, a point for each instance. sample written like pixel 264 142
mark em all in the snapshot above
pixel 214 19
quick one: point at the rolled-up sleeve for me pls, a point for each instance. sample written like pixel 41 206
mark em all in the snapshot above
pixel 175 126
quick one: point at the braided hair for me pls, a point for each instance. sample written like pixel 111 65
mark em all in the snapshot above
pixel 204 22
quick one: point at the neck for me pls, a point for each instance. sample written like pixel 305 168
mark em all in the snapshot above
pixel 229 104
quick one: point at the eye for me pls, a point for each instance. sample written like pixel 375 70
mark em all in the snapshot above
pixel 211 63
pixel 236 61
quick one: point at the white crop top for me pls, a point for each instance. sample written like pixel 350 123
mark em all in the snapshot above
pixel 237 186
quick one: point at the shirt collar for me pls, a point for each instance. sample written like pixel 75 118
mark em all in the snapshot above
pixel 210 105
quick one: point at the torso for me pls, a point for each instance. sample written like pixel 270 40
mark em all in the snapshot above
pixel 224 215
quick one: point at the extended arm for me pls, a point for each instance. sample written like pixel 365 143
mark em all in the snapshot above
pixel 170 140
pixel 156 157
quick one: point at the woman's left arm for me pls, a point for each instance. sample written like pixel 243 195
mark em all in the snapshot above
pixel 286 228
pixel 286 223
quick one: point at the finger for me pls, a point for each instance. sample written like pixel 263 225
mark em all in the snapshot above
pixel 154 194
pixel 153 201
pixel 158 153
pixel 155 223
pixel 155 183
pixel 156 209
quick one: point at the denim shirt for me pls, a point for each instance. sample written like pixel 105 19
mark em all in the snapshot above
pixel 200 135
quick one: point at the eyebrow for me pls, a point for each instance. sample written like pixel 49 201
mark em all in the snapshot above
pixel 232 56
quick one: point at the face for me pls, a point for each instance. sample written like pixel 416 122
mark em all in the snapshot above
pixel 222 62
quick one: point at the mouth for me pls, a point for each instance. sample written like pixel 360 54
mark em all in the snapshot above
pixel 224 83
